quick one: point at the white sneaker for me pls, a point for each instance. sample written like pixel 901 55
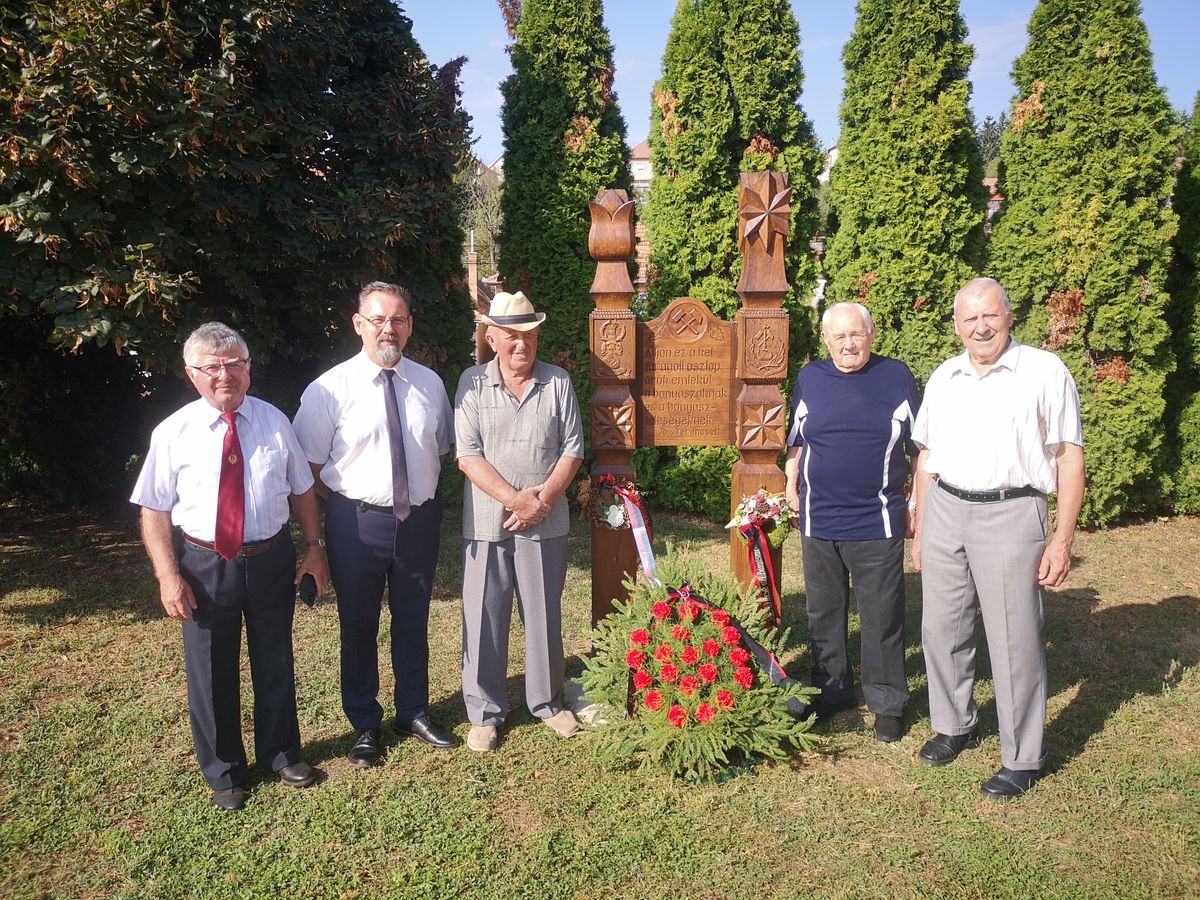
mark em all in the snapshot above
pixel 562 723
pixel 482 738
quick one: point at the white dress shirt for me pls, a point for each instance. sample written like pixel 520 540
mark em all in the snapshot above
pixel 182 470
pixel 1001 429
pixel 342 426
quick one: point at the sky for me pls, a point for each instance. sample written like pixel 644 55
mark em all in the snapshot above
pixel 446 29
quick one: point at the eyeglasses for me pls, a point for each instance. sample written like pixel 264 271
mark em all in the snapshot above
pixel 377 322
pixel 233 367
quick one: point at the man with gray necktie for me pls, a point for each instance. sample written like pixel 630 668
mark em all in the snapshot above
pixel 374 429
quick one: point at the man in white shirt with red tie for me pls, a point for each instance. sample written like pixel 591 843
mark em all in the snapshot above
pixel 375 428
pixel 222 470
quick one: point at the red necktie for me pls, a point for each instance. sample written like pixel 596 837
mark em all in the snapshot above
pixel 231 494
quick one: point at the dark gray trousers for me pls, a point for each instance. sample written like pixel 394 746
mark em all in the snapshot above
pixel 876 569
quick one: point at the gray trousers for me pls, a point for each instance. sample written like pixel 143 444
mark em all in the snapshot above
pixel 877 569
pixel 985 555
pixel 492 571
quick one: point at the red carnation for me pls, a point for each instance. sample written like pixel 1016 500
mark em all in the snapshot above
pixel 680 633
pixel 705 713
pixel 639 637
pixel 739 656
pixel 642 680
pixel 730 636
pixel 660 610
pixel 677 716
pixel 669 673
pixel 663 652
pixel 689 685
pixel 707 673
pixel 743 676
pixel 688 611
pixel 654 700
pixel 712 648
pixel 635 659
pixel 720 617
pixel 690 655
pixel 724 699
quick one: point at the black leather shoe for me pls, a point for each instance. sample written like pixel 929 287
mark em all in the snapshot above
pixel 943 749
pixel 365 752
pixel 231 798
pixel 299 774
pixel 422 727
pixel 1007 784
pixel 826 711
pixel 888 728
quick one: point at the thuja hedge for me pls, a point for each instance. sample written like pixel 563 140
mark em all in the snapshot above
pixel 564 140
pixel 1082 246
pixel 727 102
pixel 1182 461
pixel 906 194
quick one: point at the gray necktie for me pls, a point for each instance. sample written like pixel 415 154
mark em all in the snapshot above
pixel 401 506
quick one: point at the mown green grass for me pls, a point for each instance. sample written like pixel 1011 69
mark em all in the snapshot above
pixel 99 794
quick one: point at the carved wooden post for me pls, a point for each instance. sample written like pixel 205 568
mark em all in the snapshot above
pixel 762 413
pixel 613 342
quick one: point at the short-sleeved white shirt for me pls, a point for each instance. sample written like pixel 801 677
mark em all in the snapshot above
pixel 1000 429
pixel 182 470
pixel 342 426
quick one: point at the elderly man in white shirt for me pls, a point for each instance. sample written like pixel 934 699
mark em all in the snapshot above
pixel 222 469
pixel 375 429
pixel 999 429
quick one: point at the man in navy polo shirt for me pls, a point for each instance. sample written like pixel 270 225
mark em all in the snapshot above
pixel 847 464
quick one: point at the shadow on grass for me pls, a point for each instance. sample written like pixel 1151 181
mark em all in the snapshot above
pixel 1114 655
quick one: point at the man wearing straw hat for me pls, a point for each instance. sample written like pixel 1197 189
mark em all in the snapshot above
pixel 519 441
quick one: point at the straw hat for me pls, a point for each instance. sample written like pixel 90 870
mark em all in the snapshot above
pixel 512 311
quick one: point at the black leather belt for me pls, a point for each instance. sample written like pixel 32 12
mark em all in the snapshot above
pixel 254 548
pixel 989 496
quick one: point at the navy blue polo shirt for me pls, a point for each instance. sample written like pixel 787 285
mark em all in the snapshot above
pixel 856 429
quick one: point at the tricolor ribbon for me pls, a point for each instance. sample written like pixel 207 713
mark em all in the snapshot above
pixel 765 659
pixel 764 572
pixel 637 524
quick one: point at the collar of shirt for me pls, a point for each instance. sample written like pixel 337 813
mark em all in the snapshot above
pixel 539 375
pixel 1009 359
pixel 370 370
pixel 212 416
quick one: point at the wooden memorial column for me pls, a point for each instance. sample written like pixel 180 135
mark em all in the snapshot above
pixel 762 326
pixel 612 338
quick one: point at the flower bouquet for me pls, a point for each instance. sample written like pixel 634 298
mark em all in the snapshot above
pixel 680 674
pixel 601 503
pixel 770 512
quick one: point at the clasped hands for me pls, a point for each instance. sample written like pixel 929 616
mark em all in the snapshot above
pixel 527 508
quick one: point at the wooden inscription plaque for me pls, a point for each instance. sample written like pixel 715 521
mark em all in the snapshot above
pixel 685 396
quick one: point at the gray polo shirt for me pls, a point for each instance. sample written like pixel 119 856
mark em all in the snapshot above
pixel 522 440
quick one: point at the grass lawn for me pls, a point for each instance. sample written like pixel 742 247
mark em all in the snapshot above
pixel 100 795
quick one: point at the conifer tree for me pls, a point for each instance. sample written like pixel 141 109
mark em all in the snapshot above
pixel 907 190
pixel 1183 317
pixel 1082 246
pixel 728 102
pixel 564 140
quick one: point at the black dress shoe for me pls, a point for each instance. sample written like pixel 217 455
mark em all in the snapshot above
pixel 365 752
pixel 422 727
pixel 299 774
pixel 230 798
pixel 888 728
pixel 943 749
pixel 1008 784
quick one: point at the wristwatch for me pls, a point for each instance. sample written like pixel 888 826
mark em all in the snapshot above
pixel 319 542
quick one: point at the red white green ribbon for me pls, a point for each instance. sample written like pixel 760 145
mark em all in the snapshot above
pixel 637 524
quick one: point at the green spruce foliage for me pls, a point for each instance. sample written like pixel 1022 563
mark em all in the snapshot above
pixel 163 164
pixel 727 102
pixel 906 190
pixel 564 140
pixel 1183 317
pixel 1083 243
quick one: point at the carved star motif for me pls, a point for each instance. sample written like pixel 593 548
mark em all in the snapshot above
pixel 612 426
pixel 763 217
pixel 762 425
